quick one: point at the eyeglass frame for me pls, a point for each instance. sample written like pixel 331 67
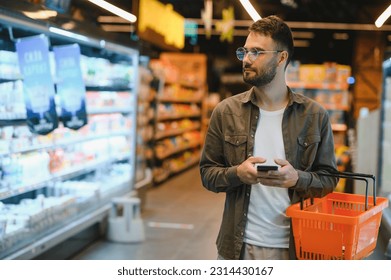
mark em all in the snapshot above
pixel 258 52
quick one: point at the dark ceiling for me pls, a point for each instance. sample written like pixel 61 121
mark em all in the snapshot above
pixel 344 11
pixel 302 15
pixel 300 12
pixel 348 11
pixel 334 26
pixel 323 46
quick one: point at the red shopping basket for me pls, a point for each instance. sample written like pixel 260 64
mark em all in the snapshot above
pixel 339 226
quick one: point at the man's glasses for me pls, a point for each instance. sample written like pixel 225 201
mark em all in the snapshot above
pixel 253 53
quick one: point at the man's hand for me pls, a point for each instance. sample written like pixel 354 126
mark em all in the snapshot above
pixel 247 172
pixel 285 177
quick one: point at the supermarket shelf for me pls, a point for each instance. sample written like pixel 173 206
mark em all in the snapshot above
pixel 7 80
pixel 85 168
pixel 179 109
pixel 339 127
pixel 179 100
pixel 60 235
pixel 18 119
pixel 62 175
pixel 178 116
pixel 336 107
pixel 68 229
pixel 163 177
pixel 319 85
pixel 109 110
pixel 168 133
pixel 184 84
pixel 61 143
pixel 10 117
pixel 110 85
pixel 169 152
pixel 187 165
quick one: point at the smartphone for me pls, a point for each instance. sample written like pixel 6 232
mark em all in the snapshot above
pixel 266 167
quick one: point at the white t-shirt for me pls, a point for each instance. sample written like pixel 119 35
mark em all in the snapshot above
pixel 267 224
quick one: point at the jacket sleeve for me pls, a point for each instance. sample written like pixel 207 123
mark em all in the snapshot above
pixel 215 175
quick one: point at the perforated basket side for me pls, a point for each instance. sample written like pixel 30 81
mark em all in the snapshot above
pixel 336 227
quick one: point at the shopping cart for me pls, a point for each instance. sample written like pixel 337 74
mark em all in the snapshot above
pixel 339 226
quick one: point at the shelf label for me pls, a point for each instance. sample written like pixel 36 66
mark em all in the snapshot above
pixel 70 86
pixel 38 86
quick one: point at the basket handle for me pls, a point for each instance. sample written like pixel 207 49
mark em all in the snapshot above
pixel 355 176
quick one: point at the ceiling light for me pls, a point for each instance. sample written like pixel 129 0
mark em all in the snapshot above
pixel 383 17
pixel 250 10
pixel 68 34
pixel 40 14
pixel 114 9
pixel 289 3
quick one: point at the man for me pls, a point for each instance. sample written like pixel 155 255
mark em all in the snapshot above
pixel 268 124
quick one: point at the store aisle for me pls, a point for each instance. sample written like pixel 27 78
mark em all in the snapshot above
pixel 179 202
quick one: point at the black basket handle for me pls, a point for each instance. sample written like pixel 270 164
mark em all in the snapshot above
pixel 355 176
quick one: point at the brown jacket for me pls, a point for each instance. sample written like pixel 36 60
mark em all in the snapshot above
pixel 309 147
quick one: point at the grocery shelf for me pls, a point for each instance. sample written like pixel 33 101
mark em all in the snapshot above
pixel 173 132
pixel 339 127
pixel 179 100
pixel 158 178
pixel 169 152
pixel 7 80
pixel 178 116
pixel 179 106
pixel 68 228
pixel 109 110
pixel 11 118
pixel 60 235
pixel 64 142
pixel 68 173
pixel 336 106
pixel 319 85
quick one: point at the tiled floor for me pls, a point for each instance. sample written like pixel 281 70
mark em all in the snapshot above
pixel 189 218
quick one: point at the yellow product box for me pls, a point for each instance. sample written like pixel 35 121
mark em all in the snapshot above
pixel 311 73
pixel 343 73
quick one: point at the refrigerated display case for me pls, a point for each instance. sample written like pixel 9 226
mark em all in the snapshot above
pixel 385 131
pixel 56 185
pixel 384 149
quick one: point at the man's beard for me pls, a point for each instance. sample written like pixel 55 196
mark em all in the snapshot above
pixel 265 77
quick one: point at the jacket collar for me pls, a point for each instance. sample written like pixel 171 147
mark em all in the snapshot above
pixel 249 96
